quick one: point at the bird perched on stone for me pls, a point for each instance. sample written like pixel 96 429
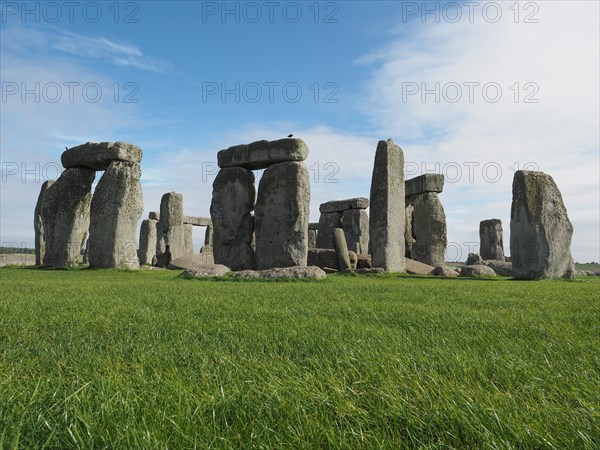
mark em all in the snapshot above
pixel 290 135
pixel 66 148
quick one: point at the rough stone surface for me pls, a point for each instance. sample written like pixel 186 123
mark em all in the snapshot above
pixel 65 214
pixel 323 257
pixel 98 156
pixel 442 271
pixel 363 261
pixel 281 216
pixel 197 221
pixel 38 225
pixel 429 182
pixel 206 270
pixel 327 223
pixel 344 205
pixel 188 242
pixel 154 215
pixel 313 226
pixel 501 268
pixel 474 259
pixel 355 223
pixel 170 229
pixel 417 267
pixel 477 270
pixel 540 229
pixel 312 238
pixel 116 208
pixel 341 249
pixel 148 240
pixel 353 258
pixel 426 223
pixel 261 154
pixel 387 221
pixel 208 240
pixel 374 270
pixel 192 262
pixel 312 272
pixel 233 226
pixel 491 241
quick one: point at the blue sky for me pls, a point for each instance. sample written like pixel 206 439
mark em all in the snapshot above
pixel 471 93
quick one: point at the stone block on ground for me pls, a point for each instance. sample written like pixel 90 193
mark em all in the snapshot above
pixel 477 270
pixel 311 272
pixel 193 262
pixel 443 271
pixel 417 268
pixel 38 225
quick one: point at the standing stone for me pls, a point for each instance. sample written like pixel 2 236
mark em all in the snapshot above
pixel 148 240
pixel 540 229
pixel 38 225
pixel 208 240
pixel 428 227
pixel 341 249
pixel 65 213
pixel 386 221
pixel 281 216
pixel 232 202
pixel 312 238
pixel 355 223
pixel 188 243
pixel 170 229
pixel 327 223
pixel 116 208
pixel 491 244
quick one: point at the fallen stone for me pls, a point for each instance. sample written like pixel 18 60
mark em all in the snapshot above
pixel 65 213
pixel 281 216
pixel 442 271
pixel 387 221
pixel 329 270
pixel 193 262
pixel 540 229
pixel 98 156
pixel 233 226
pixel 477 270
pixel 208 270
pixel 323 257
pixel 341 249
pixel 311 272
pixel 502 268
pixel 327 223
pixel 491 242
pixel 417 268
pixel 38 225
pixel 344 205
pixel 373 270
pixel 429 182
pixel 261 154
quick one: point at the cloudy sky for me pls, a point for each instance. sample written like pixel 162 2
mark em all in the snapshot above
pixel 473 90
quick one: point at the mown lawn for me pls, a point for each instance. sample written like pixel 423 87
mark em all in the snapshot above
pixel 109 359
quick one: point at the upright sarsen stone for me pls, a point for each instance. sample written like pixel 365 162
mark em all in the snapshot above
pixel 491 245
pixel 232 202
pixel 540 229
pixel 148 240
pixel 327 223
pixel 171 229
pixel 355 223
pixel 386 221
pixel 426 221
pixel 65 214
pixel 38 225
pixel 281 216
pixel 116 208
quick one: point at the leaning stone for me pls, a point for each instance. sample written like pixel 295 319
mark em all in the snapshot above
pixel 311 272
pixel 38 225
pixel 355 223
pixel 281 216
pixel 386 221
pixel 341 249
pixel 428 228
pixel 474 259
pixel 323 257
pixel 502 268
pixel 477 270
pixel 208 270
pixel 491 245
pixel 197 221
pixel 327 223
pixel 98 156
pixel 442 271
pixel 148 240
pixel 65 214
pixel 418 268
pixel 429 182
pixel 540 229
pixel 233 226
pixel 344 205
pixel 261 154
pixel 117 206
pixel 192 262
pixel 373 270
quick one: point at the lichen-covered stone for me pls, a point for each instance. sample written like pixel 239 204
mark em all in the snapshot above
pixel 98 156
pixel 426 222
pixel 491 241
pixel 261 154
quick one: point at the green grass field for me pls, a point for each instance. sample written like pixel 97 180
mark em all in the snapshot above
pixel 109 359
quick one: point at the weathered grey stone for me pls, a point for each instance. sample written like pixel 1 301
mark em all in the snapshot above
pixel 313 226
pixel 491 245
pixel 281 216
pixel 207 270
pixel 327 223
pixel 355 223
pixel 312 238
pixel 154 215
pixel 192 262
pixel 363 261
pixel 442 271
pixel 232 201
pixel 98 156
pixel 323 257
pixel 429 182
pixel 426 221
pixel 341 249
pixel 540 229
pixel 188 234
pixel 386 221
pixel 65 214
pixel 344 205
pixel 474 259
pixel 38 225
pixel 501 268
pixel 353 258
pixel 477 270
pixel 208 240
pixel 311 272
pixel 171 230
pixel 261 154
pixel 116 208
pixel 417 267
pixel 148 240
pixel 197 221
